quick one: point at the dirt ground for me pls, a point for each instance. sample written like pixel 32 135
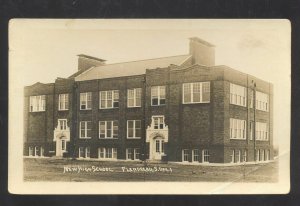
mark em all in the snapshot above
pixel 48 169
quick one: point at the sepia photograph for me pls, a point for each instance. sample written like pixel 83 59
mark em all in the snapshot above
pixel 149 106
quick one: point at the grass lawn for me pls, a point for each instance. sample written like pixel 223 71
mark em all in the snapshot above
pixel 48 169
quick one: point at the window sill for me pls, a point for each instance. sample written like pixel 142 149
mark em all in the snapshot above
pixel 109 138
pixel 37 111
pixel 196 103
pixel 109 108
pixel 133 137
pixel 237 139
pixel 85 109
pixel 135 107
pixel 85 138
pixel 262 110
pixel 63 110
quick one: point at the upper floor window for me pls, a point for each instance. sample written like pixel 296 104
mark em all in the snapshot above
pixel 262 101
pixel 262 132
pixel 134 129
pixel 109 99
pixel 134 97
pixel 158 122
pixel 37 103
pixel 198 92
pixel 237 129
pixel 158 95
pixel 85 100
pixel 238 95
pixel 108 129
pixel 85 129
pixel 62 124
pixel 63 102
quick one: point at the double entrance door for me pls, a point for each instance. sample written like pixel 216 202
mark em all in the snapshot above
pixel 158 148
pixel 61 147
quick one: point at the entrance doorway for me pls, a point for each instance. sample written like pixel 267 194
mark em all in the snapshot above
pixel 61 146
pixel 157 148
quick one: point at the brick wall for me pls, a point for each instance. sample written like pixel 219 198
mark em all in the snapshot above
pixel 191 126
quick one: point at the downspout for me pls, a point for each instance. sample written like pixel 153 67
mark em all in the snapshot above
pixel 145 119
pixel 53 111
pixel 254 116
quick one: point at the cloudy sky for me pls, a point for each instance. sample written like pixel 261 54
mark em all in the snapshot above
pixel 42 50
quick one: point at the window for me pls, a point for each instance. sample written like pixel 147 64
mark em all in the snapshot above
pixel 195 155
pixel 132 153
pixel 86 101
pixel 185 155
pixel 158 122
pixel 245 156
pixel 205 156
pixel 134 97
pixel 84 152
pixel 63 145
pixel 262 132
pixel 42 151
pixel 37 103
pixel 232 156
pixel 262 101
pixel 263 155
pixel 158 95
pixel 62 124
pixel 109 99
pixel 36 151
pixel 136 153
pixel 237 95
pixel 129 154
pixel 198 92
pixel 239 156
pixel 157 146
pixel 85 129
pixel 257 155
pixel 63 102
pixel 237 129
pixel 107 153
pixel 30 151
pixel 134 129
pixel 108 129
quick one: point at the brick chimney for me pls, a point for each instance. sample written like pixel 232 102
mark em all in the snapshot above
pixel 203 53
pixel 85 62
